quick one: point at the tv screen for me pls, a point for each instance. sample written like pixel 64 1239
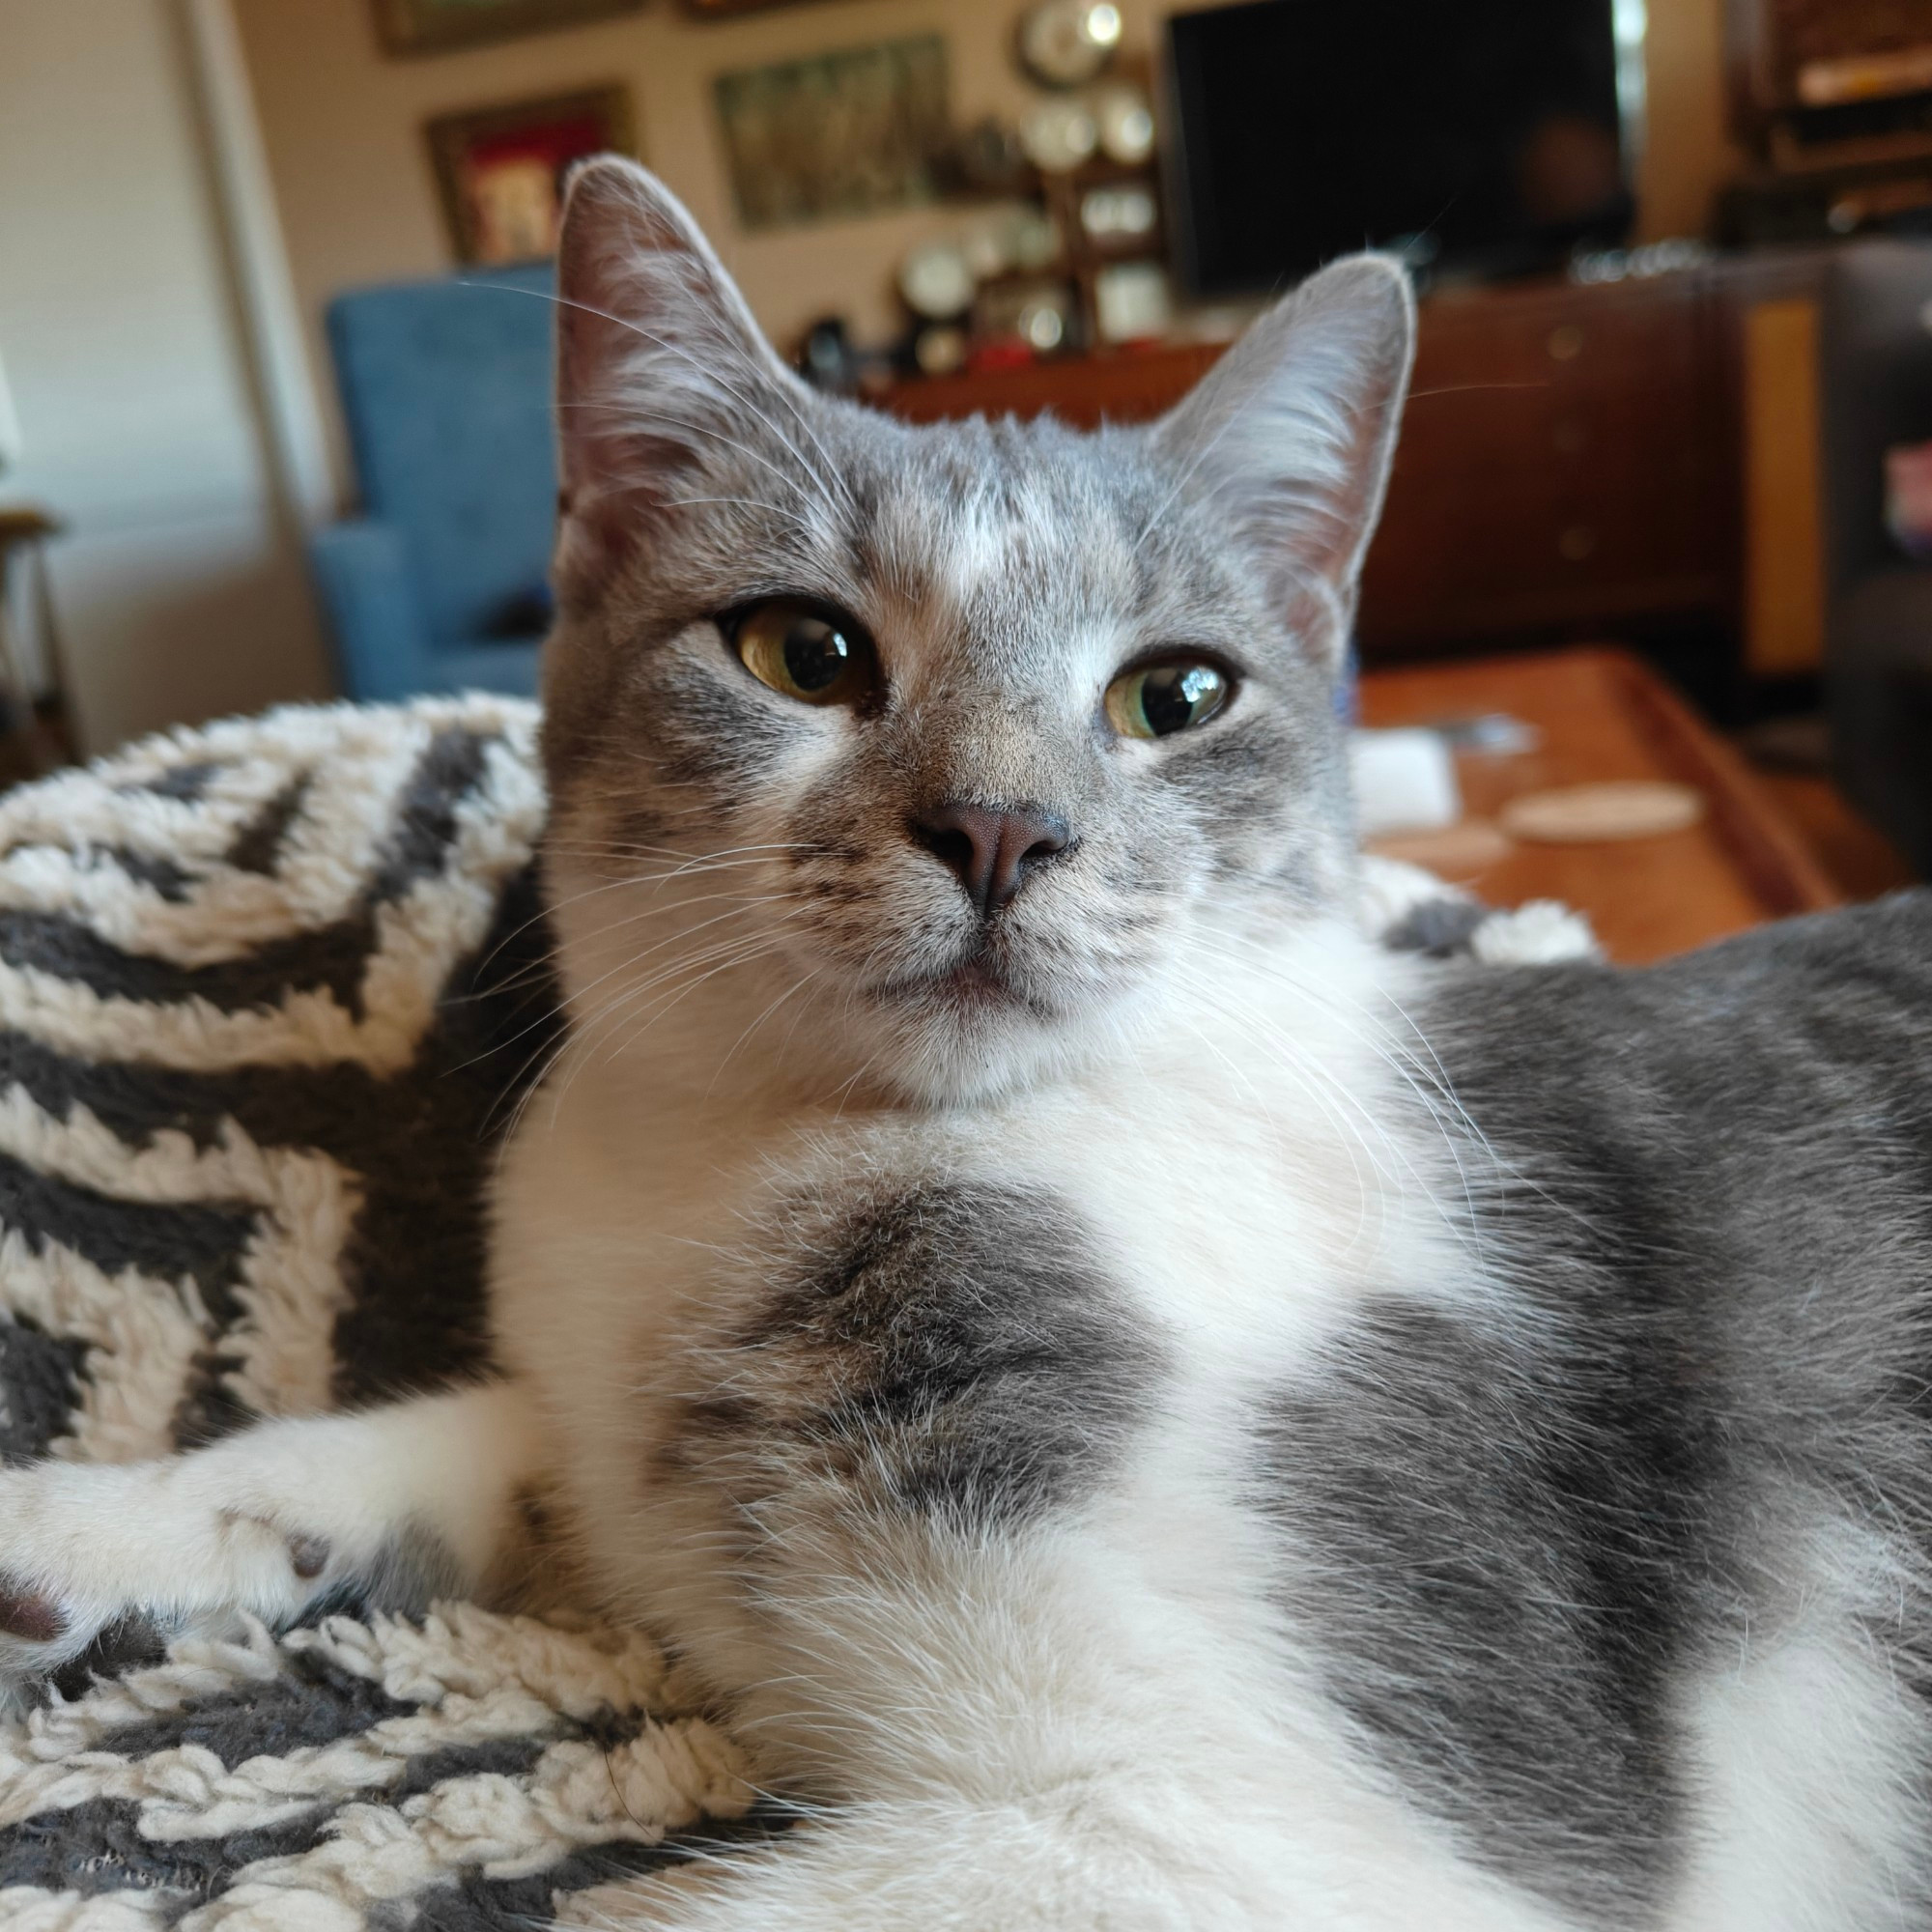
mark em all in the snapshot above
pixel 1481 136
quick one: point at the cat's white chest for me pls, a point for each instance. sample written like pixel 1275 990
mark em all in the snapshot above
pixel 1245 1199
pixel 1245 1218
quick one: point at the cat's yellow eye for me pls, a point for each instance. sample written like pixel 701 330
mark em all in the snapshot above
pixel 1157 700
pixel 803 651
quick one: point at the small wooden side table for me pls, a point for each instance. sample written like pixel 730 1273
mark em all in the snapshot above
pixel 1601 714
pixel 37 734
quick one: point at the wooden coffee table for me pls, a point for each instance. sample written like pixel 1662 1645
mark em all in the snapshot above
pixel 1601 714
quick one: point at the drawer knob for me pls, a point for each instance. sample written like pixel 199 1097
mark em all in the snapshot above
pixel 1566 342
pixel 1578 542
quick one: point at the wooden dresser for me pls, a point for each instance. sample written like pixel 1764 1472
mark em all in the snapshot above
pixel 1577 461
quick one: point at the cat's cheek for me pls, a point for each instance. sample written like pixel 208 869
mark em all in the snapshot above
pixel 706 745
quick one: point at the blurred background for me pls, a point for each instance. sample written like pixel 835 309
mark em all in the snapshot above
pixel 272 348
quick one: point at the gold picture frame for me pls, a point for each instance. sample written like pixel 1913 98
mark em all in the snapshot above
pixel 499 170
pixel 411 27
pixel 724 9
pixel 846 132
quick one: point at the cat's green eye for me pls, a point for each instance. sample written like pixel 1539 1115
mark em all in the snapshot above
pixel 1157 700
pixel 804 652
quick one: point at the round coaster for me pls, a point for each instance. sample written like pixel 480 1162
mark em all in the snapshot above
pixel 1587 814
pixel 1458 851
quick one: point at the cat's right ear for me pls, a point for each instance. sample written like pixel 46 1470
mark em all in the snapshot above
pixel 1291 435
pixel 657 357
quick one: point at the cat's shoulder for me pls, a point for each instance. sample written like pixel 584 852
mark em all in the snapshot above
pixel 1880 951
pixel 1738 1032
pixel 1878 940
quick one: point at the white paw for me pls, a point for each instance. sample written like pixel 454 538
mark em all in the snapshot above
pixel 86 1553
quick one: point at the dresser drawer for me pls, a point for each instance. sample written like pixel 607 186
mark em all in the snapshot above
pixel 1559 463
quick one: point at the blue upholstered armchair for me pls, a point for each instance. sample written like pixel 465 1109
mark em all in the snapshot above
pixel 438 584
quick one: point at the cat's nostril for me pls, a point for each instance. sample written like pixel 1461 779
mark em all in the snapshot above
pixel 990 848
pixel 955 848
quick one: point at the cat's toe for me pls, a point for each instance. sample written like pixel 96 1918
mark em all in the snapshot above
pixel 278 1569
pixel 28 1616
pixel 43 1640
pixel 308 1556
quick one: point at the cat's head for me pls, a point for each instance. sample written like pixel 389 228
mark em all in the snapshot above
pixel 926 757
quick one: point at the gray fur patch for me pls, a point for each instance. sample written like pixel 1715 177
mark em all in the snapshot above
pixel 1515 1540
pixel 409 1573
pixel 956 1351
pixel 1437 928
pixel 1496 1552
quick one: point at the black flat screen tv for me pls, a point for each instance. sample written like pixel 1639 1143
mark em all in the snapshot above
pixel 1484 137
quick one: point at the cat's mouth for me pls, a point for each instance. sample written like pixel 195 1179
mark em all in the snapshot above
pixel 978 983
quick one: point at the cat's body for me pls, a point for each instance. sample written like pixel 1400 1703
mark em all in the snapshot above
pixel 1149 1409
pixel 1551 1484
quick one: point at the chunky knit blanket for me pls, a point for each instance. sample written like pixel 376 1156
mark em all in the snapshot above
pixel 268 993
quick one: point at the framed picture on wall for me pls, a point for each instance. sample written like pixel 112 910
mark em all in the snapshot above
pixel 718 10
pixel 851 133
pixel 499 170
pixel 437 26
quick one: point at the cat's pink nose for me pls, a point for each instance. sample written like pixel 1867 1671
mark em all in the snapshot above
pixel 990 848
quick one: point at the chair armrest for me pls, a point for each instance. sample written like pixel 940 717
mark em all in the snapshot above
pixel 381 646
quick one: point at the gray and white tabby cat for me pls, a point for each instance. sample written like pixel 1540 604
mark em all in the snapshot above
pixel 1158 1412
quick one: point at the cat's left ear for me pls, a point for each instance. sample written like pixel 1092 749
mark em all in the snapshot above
pixel 1291 435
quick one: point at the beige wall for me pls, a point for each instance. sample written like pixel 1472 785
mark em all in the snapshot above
pixel 343 130
pixel 1688 156
pixel 179 586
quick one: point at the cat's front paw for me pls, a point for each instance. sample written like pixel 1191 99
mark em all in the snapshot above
pixel 100 1566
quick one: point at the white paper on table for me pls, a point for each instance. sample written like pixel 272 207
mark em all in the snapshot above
pixel 1405 781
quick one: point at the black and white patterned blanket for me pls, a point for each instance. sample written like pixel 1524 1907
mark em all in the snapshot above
pixel 268 994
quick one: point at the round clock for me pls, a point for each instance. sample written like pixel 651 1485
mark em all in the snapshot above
pixel 940 348
pixel 1058 135
pixel 1067 43
pixel 937 281
pixel 1126 122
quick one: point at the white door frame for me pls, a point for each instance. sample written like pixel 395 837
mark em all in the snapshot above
pixel 264 287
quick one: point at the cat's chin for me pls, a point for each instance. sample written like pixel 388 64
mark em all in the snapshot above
pixel 962 1067
pixel 968 1035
